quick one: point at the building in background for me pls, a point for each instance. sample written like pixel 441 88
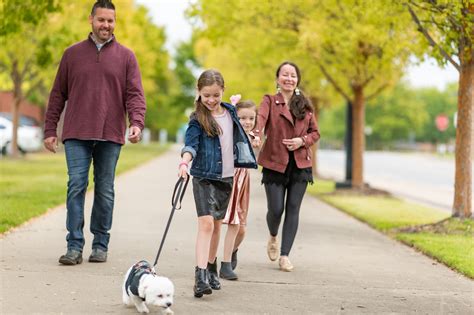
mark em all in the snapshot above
pixel 26 108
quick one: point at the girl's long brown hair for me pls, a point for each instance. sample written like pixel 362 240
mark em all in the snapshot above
pixel 201 113
pixel 299 104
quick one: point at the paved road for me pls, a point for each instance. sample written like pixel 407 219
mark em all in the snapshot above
pixel 420 177
pixel 341 265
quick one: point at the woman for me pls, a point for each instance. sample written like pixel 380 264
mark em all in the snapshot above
pixel 290 127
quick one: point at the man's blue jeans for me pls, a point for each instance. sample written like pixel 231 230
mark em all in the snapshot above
pixel 79 155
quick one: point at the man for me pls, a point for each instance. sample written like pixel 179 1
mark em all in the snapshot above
pixel 100 81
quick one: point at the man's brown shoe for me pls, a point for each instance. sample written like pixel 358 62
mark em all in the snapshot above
pixel 72 257
pixel 98 255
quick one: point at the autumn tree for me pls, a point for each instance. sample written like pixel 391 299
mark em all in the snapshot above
pixel 362 48
pixel 15 15
pixel 136 30
pixel 29 57
pixel 23 57
pixel 33 39
pixel 24 51
pixel 247 48
pixel 357 47
pixel 448 27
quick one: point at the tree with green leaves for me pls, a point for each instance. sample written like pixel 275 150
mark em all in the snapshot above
pixel 357 47
pixel 448 27
pixel 362 48
pixel 248 44
pixel 396 116
pixel 181 94
pixel 136 30
pixel 29 57
pixel 15 15
pixel 24 50
pixel 23 59
pixel 437 102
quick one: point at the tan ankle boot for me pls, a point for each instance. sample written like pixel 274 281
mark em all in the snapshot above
pixel 285 264
pixel 273 249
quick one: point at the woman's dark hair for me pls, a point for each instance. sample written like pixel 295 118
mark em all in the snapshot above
pixel 202 114
pixel 103 4
pixel 299 104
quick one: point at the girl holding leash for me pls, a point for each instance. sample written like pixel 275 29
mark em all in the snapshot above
pixel 236 216
pixel 215 142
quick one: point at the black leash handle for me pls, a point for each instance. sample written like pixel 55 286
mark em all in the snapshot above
pixel 178 194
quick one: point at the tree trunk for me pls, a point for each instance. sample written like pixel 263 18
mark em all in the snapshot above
pixel 314 149
pixel 462 206
pixel 17 97
pixel 358 138
pixel 315 146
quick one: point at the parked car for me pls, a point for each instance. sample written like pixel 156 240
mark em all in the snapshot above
pixel 30 134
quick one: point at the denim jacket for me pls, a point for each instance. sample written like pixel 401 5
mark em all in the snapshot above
pixel 206 151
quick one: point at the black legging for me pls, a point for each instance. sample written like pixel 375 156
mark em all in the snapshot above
pixel 276 205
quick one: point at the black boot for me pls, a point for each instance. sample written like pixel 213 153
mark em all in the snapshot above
pixel 234 259
pixel 226 271
pixel 201 283
pixel 213 277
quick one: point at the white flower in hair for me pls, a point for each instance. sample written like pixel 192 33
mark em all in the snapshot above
pixel 234 99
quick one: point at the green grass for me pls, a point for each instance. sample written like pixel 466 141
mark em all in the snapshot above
pixel 322 186
pixel 450 241
pixel 38 182
pixel 385 213
pixel 447 156
pixel 456 251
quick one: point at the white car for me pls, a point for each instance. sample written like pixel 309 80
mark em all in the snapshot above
pixel 30 135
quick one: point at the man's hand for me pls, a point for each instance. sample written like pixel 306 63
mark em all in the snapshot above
pixel 134 134
pixel 51 144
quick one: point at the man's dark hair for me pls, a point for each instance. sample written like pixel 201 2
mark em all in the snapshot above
pixel 104 4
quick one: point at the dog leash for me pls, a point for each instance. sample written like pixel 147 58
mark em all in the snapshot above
pixel 178 194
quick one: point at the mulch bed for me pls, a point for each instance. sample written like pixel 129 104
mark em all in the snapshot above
pixel 449 225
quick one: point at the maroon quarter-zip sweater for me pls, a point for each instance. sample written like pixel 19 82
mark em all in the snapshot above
pixel 100 88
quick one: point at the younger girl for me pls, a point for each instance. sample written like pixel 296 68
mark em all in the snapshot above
pixel 236 216
pixel 215 142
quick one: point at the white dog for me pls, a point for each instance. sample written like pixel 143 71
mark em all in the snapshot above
pixel 143 287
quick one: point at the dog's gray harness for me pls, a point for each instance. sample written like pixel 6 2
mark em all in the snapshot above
pixel 140 269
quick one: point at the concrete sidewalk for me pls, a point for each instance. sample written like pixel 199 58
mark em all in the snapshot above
pixel 341 265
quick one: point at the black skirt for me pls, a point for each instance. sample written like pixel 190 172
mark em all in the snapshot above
pixel 292 174
pixel 212 196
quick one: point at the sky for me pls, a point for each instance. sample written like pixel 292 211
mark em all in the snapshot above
pixel 170 14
